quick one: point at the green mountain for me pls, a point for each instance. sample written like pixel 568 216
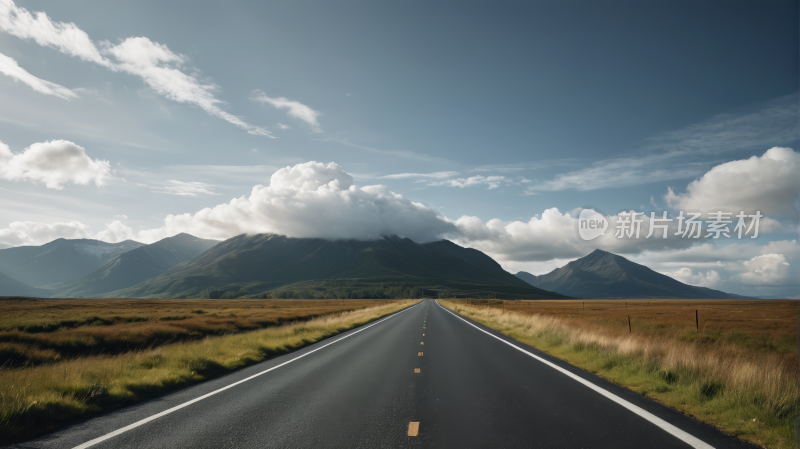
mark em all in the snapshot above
pixel 605 275
pixel 61 260
pixel 137 265
pixel 251 265
pixel 12 287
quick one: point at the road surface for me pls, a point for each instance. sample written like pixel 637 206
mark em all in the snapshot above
pixel 424 372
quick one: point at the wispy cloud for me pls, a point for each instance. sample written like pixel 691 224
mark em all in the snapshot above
pixel 438 174
pixel 182 188
pixel 688 152
pixel 524 166
pixel 398 153
pixel 9 67
pixel 492 182
pixel 622 172
pixel 296 109
pixel 154 63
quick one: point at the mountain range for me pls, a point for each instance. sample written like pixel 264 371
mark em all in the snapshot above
pixel 137 265
pixel 61 260
pixel 271 265
pixel 264 262
pixel 605 275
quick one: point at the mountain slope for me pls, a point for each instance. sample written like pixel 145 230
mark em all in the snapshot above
pixel 605 275
pixel 12 287
pixel 61 260
pixel 268 261
pixel 132 267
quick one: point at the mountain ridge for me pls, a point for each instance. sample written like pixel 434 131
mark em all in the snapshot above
pixel 134 266
pixel 60 260
pixel 265 262
pixel 606 275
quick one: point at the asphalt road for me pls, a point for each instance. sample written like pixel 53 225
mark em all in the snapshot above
pixel 360 390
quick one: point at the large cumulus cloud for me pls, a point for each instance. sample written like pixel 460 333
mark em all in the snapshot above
pixel 312 199
pixel 769 183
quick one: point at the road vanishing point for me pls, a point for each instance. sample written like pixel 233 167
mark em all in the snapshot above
pixel 386 385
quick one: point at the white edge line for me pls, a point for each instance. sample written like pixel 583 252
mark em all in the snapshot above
pixel 188 403
pixel 667 427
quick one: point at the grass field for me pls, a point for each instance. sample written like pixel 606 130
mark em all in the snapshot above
pixel 36 331
pixel 79 357
pixel 739 372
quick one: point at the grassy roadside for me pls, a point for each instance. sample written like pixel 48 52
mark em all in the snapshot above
pixel 750 394
pixel 43 331
pixel 38 399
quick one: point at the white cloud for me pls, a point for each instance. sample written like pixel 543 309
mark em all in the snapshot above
pixel 767 269
pixel 311 199
pixel 55 163
pixel 151 61
pixel 553 235
pixel 9 67
pixel 156 64
pixel 709 279
pixel 768 183
pixel 187 188
pixel 115 232
pixel 492 182
pixel 27 233
pixel 296 109
pixel 282 126
pixel 64 37
pixel 683 153
pixel 438 174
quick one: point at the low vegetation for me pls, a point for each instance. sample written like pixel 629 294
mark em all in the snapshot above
pixel 63 382
pixel 739 372
pixel 36 331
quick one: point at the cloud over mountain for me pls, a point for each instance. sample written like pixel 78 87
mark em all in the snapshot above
pixel 312 199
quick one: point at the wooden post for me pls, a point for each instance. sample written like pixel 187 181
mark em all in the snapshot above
pixel 696 321
pixel 629 324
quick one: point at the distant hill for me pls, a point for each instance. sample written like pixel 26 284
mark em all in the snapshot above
pixel 251 264
pixel 137 265
pixel 605 275
pixel 13 287
pixel 61 260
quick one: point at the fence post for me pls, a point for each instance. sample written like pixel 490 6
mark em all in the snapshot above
pixel 629 325
pixel 696 321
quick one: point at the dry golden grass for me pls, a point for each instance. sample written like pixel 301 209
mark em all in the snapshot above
pixel 737 375
pixel 35 399
pixel 35 331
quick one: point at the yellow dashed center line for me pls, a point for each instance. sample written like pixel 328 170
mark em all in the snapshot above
pixel 413 428
pixel 416 370
pixel 420 354
pixel 422 343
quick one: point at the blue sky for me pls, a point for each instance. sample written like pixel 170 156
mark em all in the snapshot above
pixel 494 111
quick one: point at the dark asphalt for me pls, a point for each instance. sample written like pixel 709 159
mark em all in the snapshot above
pixel 361 392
